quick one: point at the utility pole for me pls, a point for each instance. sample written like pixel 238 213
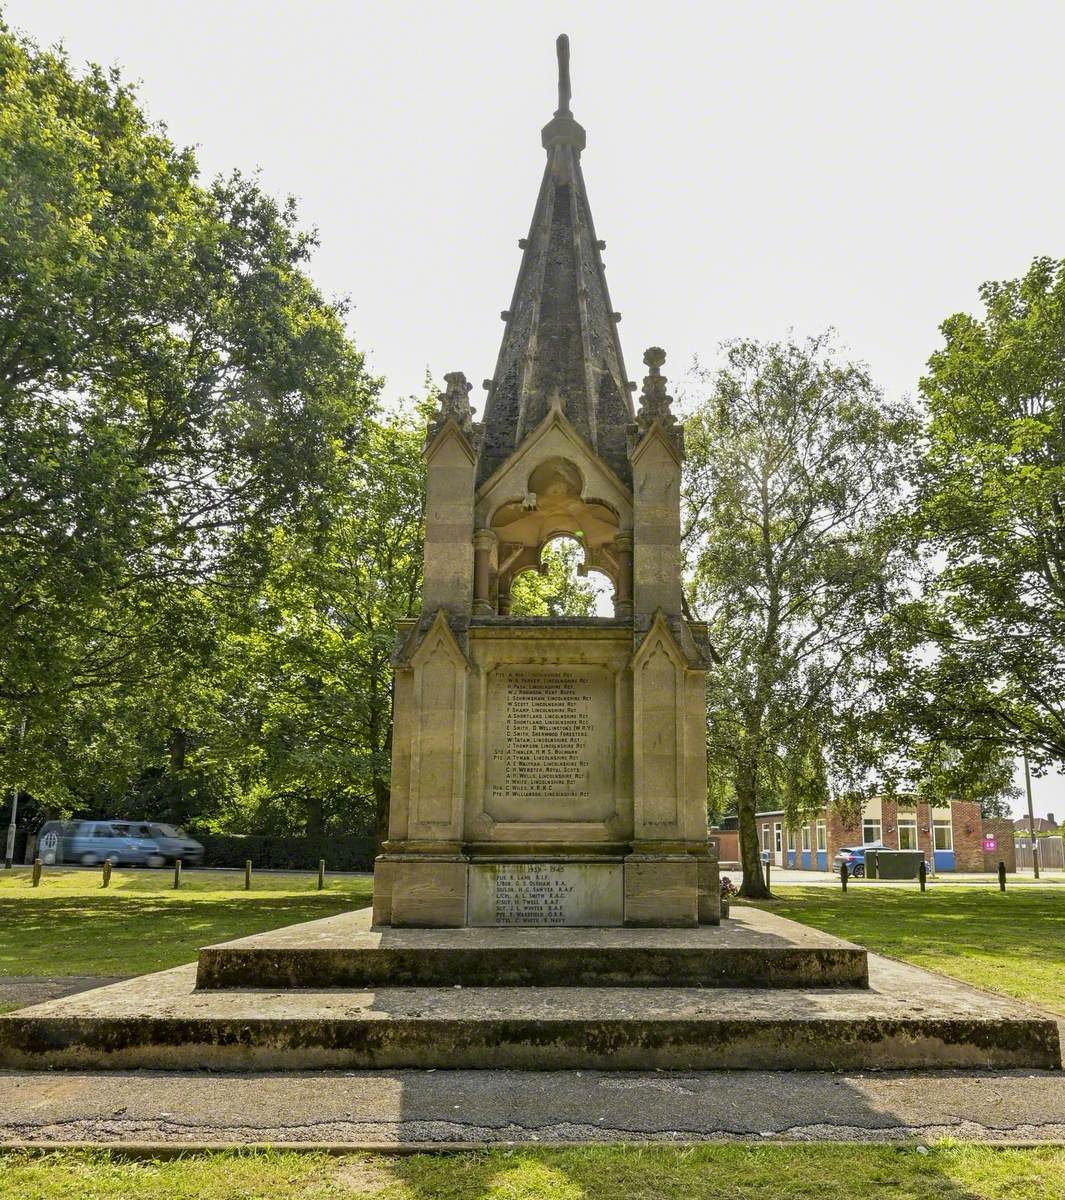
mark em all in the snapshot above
pixel 1031 816
pixel 10 854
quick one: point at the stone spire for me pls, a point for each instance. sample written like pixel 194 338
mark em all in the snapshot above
pixel 561 331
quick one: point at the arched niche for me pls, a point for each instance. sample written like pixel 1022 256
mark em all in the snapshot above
pixel 534 559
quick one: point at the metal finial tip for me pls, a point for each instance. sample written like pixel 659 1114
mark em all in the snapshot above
pixel 565 91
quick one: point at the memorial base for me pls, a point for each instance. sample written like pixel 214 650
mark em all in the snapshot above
pixel 443 891
pixel 425 891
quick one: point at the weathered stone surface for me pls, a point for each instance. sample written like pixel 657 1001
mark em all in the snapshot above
pixel 907 1019
pixel 551 739
pixel 753 949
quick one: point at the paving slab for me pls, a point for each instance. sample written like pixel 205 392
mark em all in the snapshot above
pixel 907 1018
pixel 754 948
pixel 450 1108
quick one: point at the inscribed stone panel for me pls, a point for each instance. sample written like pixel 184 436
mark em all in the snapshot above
pixel 550 743
pixel 546 893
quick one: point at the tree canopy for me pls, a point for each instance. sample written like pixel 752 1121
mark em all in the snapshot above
pixel 793 484
pixel 992 512
pixel 178 405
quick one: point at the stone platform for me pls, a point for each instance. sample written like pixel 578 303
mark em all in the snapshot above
pixel 905 1019
pixel 756 950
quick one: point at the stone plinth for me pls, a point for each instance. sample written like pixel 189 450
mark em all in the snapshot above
pixel 344 951
pixel 905 1019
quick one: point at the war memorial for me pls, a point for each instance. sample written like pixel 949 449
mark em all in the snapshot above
pixel 547 897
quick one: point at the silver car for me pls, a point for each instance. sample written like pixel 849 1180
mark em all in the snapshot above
pixel 170 841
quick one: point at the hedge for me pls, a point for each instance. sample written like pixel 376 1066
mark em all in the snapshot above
pixel 341 853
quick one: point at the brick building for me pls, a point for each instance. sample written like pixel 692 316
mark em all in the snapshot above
pixel 953 836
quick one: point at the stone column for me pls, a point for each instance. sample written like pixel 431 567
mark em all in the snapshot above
pixel 504 598
pixel 623 591
pixel 484 541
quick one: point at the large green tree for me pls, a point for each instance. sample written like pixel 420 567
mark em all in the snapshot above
pixel 993 511
pixel 311 671
pixel 173 392
pixel 793 482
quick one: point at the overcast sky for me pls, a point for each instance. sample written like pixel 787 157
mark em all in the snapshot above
pixel 754 168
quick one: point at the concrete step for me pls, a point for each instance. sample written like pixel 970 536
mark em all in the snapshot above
pixel 752 949
pixel 905 1019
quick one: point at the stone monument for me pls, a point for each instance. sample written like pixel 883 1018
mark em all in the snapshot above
pixel 551 771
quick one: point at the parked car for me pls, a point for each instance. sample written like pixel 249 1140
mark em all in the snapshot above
pixel 91 842
pixel 172 843
pixel 854 857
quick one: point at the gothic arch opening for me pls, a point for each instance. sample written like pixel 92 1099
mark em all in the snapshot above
pixel 564 584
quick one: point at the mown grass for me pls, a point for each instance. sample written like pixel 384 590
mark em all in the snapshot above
pixel 70 925
pixel 942 1172
pixel 1011 942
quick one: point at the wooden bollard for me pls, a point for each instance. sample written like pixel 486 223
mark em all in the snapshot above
pixel 321 874
pixel 177 872
pixel 107 873
pixel 36 872
pixel 767 866
pixel 922 875
pixel 247 874
pixel 1001 876
pixel 843 873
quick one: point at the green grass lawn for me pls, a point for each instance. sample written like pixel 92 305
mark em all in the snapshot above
pixel 1011 942
pixel 945 1172
pixel 70 925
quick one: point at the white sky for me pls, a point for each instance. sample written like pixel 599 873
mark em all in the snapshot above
pixel 753 167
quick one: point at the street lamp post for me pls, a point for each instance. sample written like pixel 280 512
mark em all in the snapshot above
pixel 1031 816
pixel 10 853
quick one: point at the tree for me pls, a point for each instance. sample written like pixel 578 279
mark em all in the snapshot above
pixel 173 392
pixel 793 482
pixel 558 590
pixel 312 668
pixel 993 512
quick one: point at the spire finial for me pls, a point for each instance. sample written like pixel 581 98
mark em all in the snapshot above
pixel 564 89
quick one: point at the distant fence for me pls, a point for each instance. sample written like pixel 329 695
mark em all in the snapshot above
pixel 287 853
pixel 1051 853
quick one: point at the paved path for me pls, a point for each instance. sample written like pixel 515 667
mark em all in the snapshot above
pixel 18 991
pixel 500 1107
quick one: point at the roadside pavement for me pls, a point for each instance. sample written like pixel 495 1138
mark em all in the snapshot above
pixel 391 1108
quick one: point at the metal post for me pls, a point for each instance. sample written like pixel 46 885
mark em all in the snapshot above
pixel 321 873
pixel 247 874
pixel 843 873
pixel 1031 816
pixel 922 875
pixel 1001 876
pixel 9 855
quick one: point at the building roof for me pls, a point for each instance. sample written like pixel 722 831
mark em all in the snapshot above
pixel 561 331
pixel 1045 824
